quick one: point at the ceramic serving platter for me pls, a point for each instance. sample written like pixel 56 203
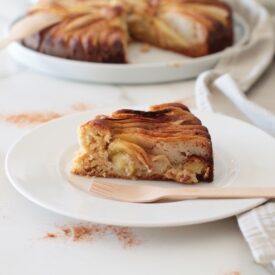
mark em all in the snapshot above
pixel 153 66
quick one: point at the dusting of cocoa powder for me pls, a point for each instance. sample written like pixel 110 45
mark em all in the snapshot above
pixel 91 232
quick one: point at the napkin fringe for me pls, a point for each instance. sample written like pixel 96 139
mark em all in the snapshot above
pixel 258 228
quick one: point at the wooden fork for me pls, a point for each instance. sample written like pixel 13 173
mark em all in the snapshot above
pixel 147 193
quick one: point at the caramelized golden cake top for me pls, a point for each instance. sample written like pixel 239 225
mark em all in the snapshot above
pixel 171 121
pixel 167 142
pixel 191 27
pixel 88 30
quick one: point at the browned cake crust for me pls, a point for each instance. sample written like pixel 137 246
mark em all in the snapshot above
pixel 157 22
pixel 88 32
pixel 98 30
pixel 166 143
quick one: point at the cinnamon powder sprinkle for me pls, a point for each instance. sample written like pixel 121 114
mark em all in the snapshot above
pixel 31 118
pixel 25 119
pixel 125 236
pixel 87 232
pixel 79 107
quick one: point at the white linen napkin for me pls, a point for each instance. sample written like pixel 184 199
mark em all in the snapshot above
pixel 270 6
pixel 258 228
pixel 233 76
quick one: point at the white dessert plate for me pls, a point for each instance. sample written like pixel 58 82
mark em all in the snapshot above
pixel 38 166
pixel 154 66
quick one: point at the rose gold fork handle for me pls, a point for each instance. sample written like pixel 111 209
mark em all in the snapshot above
pixel 221 193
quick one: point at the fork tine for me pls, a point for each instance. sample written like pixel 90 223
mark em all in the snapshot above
pixel 100 188
pixel 121 192
pixel 100 192
pixel 110 195
pixel 107 190
pixel 104 185
pixel 114 196
pixel 114 186
pixel 103 189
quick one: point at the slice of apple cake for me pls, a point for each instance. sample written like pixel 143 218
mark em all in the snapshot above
pixel 166 143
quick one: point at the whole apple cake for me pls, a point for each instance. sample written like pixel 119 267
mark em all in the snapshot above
pixel 101 30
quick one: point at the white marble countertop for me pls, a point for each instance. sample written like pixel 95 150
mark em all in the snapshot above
pixel 213 248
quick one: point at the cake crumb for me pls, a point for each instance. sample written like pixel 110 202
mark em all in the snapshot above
pixel 145 48
pixel 175 64
pixel 80 107
pixel 51 235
